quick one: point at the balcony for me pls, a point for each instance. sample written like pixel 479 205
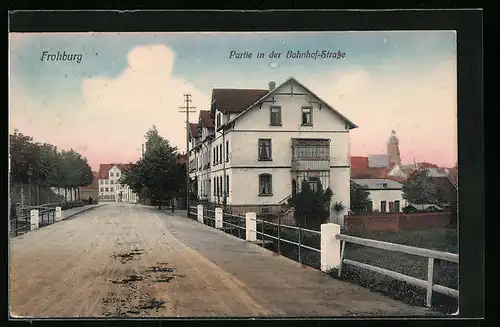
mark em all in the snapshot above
pixel 310 154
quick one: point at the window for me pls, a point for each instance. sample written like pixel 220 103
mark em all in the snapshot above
pixel 397 206
pixel 101 181
pixel 383 206
pixel 220 153
pixel 117 174
pixel 227 151
pixel 218 120
pixel 102 189
pixel 107 181
pixel 112 181
pixel 107 189
pixel 214 158
pixel 111 174
pixel 265 149
pixel 111 189
pixel 313 183
pixel 306 116
pixel 227 184
pixel 215 187
pixel 275 116
pixel 265 184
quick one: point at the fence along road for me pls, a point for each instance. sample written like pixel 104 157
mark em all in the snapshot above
pixel 130 260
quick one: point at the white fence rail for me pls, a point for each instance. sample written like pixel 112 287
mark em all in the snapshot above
pixel 332 248
pixel 434 259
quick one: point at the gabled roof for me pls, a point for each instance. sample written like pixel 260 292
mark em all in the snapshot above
pixel 236 100
pixel 292 79
pixel 105 168
pixel 206 119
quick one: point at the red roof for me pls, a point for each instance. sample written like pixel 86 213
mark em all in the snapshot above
pixel 236 100
pixel 194 129
pixel 104 169
pixel 206 119
pixel 359 162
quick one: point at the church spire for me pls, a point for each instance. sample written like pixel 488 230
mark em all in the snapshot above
pixel 393 149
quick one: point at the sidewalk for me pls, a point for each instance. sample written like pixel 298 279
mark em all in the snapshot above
pixel 70 213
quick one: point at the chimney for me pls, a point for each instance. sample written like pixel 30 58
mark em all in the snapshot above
pixel 272 85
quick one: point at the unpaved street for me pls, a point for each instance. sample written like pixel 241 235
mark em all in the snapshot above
pixel 130 260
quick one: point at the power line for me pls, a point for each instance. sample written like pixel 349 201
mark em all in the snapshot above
pixel 187 109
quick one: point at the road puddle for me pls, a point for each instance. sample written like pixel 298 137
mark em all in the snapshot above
pixel 127 256
pixel 129 279
pixel 160 269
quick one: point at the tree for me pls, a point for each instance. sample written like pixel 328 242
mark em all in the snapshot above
pixel 43 165
pixel 360 198
pixel 158 174
pixel 419 189
pixel 311 207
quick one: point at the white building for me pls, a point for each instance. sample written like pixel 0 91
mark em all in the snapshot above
pixel 254 147
pixel 385 195
pixel 109 187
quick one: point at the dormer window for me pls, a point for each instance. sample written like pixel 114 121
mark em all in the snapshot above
pixel 219 120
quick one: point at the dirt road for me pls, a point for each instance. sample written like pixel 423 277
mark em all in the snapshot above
pixel 128 260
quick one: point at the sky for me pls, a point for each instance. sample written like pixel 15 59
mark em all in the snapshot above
pixel 127 82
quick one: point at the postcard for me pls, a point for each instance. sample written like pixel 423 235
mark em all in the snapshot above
pixel 233 174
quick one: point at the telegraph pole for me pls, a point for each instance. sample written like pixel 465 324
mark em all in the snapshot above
pixel 187 109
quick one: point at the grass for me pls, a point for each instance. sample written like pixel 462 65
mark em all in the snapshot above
pixel 440 239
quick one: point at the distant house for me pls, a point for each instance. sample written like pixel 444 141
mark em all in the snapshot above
pixel 110 188
pixel 385 195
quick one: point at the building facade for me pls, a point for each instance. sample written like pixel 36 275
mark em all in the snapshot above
pixel 110 188
pixel 385 195
pixel 254 148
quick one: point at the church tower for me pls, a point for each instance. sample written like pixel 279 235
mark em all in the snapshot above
pixel 393 149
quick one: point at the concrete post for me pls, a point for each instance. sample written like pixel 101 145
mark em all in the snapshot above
pixel 330 247
pixel 200 213
pixel 58 216
pixel 218 218
pixel 34 219
pixel 251 226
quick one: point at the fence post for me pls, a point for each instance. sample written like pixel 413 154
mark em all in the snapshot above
pixel 218 217
pixel 200 213
pixel 58 216
pixel 432 276
pixel 251 226
pixel 330 247
pixel 279 227
pixel 34 219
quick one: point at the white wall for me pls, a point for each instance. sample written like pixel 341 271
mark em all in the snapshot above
pixel 244 188
pixel 386 195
